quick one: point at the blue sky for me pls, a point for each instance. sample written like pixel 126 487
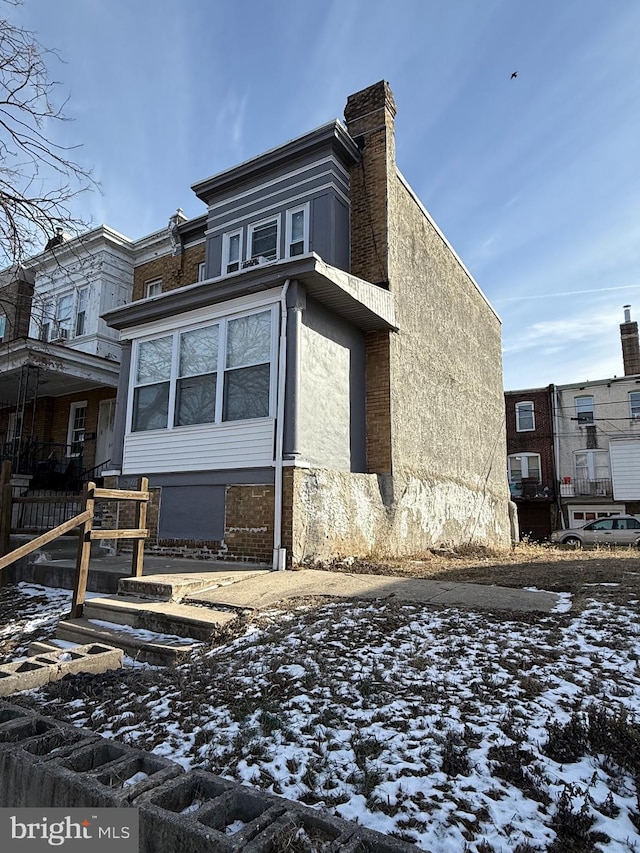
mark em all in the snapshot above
pixel 535 181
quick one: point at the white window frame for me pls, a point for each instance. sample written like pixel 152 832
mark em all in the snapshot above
pixel 153 287
pixel 226 240
pixel 261 224
pixel 62 326
pixel 634 407
pixel 304 208
pixel 73 408
pixel 3 326
pixel 524 457
pixel 222 323
pixel 591 462
pixel 582 414
pixel 521 406
pixel 82 291
pixel 202 268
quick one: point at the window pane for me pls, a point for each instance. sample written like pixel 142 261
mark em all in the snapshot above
pixel 246 393
pixel 154 360
pixel 634 401
pixel 150 407
pixel 515 468
pixel 196 400
pixel 234 248
pixel 533 466
pixel 524 416
pixel 264 240
pixel 297 226
pixel 584 409
pixel 249 340
pixel 199 351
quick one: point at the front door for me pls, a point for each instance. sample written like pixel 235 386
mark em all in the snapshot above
pixel 104 435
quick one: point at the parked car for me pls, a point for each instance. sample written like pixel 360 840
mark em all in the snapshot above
pixel 615 530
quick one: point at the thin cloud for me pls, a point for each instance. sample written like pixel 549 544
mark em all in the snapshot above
pixel 565 293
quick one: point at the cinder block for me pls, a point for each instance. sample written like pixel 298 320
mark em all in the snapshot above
pixel 171 814
pixel 300 829
pixel 24 783
pixel 241 815
pixel 104 774
pixel 23 675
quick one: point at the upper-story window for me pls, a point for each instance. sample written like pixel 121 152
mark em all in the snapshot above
pixel 634 405
pixel 153 288
pixel 62 322
pixel 297 231
pixel 263 239
pixel 81 311
pixel 231 251
pixel 522 466
pixel 525 417
pixel 3 326
pixel 213 373
pixel 202 271
pixel 584 409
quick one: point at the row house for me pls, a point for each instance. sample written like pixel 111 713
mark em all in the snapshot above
pixel 295 370
pixel 310 392
pixel 573 450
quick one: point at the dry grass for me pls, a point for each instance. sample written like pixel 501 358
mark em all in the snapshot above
pixel 554 568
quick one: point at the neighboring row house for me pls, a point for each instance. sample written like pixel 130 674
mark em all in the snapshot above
pixel 300 364
pixel 573 451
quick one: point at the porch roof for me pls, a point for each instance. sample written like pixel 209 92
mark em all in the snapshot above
pixel 367 306
pixel 61 370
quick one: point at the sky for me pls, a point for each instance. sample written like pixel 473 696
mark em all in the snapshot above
pixel 534 180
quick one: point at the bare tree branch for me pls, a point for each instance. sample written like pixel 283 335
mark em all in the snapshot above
pixel 38 177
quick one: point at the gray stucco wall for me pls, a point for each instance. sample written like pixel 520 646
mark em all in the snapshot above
pixel 331 404
pixel 447 399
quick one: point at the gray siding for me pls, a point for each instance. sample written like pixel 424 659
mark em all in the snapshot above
pixel 319 180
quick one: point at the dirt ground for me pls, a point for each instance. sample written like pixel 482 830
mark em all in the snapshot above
pixel 612 573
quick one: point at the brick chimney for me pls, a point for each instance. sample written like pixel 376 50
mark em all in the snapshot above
pixel 370 115
pixel 630 344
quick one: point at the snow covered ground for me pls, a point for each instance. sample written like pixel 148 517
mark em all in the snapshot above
pixel 462 732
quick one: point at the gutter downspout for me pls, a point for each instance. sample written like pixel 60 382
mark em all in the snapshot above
pixel 280 553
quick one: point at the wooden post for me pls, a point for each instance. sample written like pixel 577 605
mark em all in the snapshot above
pixel 84 554
pixel 137 559
pixel 6 506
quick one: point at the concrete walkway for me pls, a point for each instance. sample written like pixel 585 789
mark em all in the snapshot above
pixel 268 590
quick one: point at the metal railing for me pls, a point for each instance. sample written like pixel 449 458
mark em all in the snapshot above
pixel 600 488
pixel 51 465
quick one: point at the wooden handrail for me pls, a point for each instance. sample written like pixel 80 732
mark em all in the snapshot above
pixel 47 537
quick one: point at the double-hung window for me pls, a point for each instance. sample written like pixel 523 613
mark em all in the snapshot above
pixel 263 239
pixel 231 251
pixel 634 405
pixel 62 325
pixel 153 288
pixel 584 409
pixel 297 231
pixel 81 311
pixel 525 417
pixel 523 466
pixel 210 374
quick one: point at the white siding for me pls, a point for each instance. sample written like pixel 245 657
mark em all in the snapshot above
pixel 247 444
pixel 625 469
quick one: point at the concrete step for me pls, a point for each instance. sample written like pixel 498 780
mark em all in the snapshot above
pixel 164 617
pixel 142 645
pixel 174 587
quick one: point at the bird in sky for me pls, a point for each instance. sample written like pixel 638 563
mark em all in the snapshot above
pixel 515 74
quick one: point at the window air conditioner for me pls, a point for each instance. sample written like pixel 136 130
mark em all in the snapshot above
pixel 59 336
pixel 255 262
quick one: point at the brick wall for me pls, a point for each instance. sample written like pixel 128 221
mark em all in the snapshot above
pixel 52 419
pixel 539 440
pixel 370 120
pixel 15 303
pixel 249 522
pixel 174 270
